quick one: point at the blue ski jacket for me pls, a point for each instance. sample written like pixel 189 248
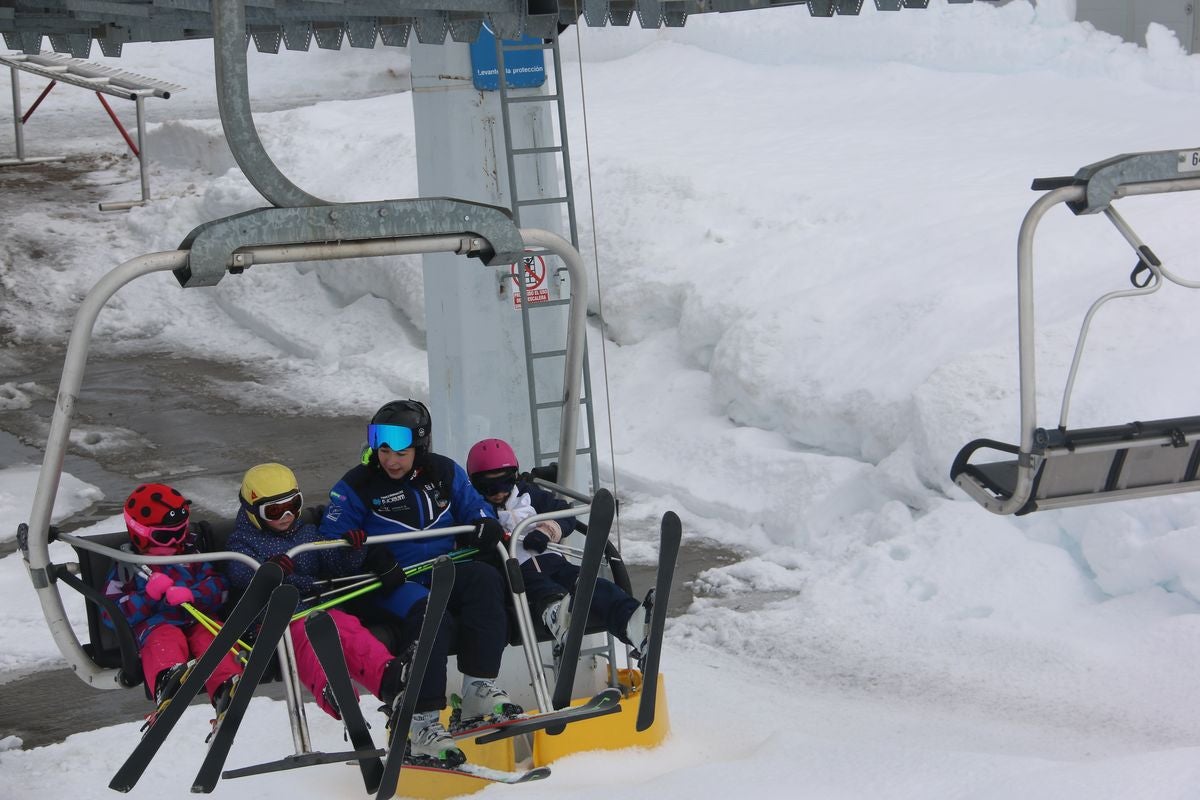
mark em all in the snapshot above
pixel 436 494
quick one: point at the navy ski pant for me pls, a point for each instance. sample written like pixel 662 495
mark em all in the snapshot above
pixel 549 576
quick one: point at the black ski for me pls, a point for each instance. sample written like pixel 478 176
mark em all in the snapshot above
pixel 599 523
pixel 441 582
pixel 606 702
pixel 266 579
pixel 670 534
pixel 280 608
pixel 323 634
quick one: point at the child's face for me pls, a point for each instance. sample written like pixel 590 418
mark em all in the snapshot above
pixel 396 463
pixel 282 524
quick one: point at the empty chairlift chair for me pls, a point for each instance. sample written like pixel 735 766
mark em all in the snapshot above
pixel 1062 467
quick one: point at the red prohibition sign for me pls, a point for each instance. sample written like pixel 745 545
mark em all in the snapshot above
pixel 532 270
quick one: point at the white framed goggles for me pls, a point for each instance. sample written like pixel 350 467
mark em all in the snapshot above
pixel 275 509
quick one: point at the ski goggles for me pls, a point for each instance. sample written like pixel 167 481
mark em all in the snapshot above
pixel 491 483
pixel 172 536
pixel 275 509
pixel 396 437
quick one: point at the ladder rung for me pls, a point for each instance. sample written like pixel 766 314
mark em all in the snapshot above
pixel 524 151
pixel 548 353
pixel 541 201
pixel 555 404
pixel 533 98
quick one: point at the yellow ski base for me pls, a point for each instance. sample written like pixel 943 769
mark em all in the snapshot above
pixel 610 732
pixel 424 785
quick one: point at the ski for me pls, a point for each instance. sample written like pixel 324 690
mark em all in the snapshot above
pixel 484 773
pixel 323 634
pixel 606 702
pixel 670 534
pixel 275 622
pixel 266 579
pixel 441 582
pixel 599 522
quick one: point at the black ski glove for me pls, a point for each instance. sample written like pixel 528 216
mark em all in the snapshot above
pixel 381 561
pixel 535 541
pixel 487 534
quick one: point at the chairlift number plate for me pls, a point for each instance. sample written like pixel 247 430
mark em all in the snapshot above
pixel 1189 160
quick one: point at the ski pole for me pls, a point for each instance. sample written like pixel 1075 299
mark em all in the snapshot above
pixel 210 624
pixel 371 584
pixel 213 627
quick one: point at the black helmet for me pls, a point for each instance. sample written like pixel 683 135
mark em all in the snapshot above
pixel 411 414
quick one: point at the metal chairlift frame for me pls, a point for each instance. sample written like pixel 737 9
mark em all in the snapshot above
pixel 216 245
pixel 100 79
pixel 1059 467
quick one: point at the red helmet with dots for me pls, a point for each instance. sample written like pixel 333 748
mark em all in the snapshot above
pixel 157 518
pixel 490 455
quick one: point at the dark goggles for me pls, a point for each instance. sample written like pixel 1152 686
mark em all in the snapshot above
pixel 276 509
pixel 397 437
pixel 168 537
pixel 490 483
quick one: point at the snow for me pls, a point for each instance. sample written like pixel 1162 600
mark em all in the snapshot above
pixel 806 232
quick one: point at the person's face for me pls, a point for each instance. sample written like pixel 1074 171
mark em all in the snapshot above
pixel 396 463
pixel 498 498
pixel 282 524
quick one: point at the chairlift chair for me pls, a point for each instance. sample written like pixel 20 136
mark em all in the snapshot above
pixel 1063 467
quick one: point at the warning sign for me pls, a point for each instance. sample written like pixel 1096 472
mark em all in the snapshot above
pixel 530 271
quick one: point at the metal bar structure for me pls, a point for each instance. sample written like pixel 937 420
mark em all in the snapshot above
pixel 100 79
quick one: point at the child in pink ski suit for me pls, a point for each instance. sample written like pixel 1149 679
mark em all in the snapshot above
pixel 268 525
pixel 168 635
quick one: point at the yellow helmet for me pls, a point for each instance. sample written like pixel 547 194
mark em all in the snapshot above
pixel 270 492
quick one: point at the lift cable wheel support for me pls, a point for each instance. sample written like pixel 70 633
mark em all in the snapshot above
pixel 1063 467
pixel 546 195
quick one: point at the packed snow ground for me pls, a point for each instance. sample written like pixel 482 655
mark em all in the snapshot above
pixel 806 230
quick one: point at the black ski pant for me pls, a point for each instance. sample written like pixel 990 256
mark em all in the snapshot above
pixel 549 576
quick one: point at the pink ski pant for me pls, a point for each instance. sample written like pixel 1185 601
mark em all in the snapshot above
pixel 366 657
pixel 168 645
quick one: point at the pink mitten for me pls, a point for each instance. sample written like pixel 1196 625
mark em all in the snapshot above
pixel 158 584
pixel 177 595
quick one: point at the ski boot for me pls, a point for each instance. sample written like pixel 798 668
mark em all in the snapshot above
pixel 637 631
pixel 482 701
pixel 221 698
pixel 557 618
pixel 429 743
pixel 166 684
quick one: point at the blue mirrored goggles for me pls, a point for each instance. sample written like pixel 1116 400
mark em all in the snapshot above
pixel 397 437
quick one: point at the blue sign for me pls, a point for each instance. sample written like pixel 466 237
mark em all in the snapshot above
pixel 523 69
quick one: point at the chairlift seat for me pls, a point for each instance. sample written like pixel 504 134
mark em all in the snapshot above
pixel 1087 465
pixel 116 647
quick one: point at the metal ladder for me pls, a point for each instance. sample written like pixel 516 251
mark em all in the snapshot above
pixel 567 199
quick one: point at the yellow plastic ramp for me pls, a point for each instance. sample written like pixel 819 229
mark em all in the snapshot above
pixel 610 732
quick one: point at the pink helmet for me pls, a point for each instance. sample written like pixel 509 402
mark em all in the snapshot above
pixel 489 455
